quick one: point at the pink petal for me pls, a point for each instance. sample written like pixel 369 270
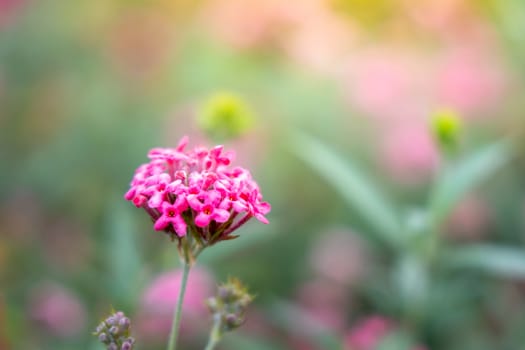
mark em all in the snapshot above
pixel 156 200
pixel 261 218
pixel 161 223
pixel 239 206
pixel 194 202
pixel 202 220
pixel 221 215
pixel 182 143
pixel 264 207
pixel 130 194
pixel 180 226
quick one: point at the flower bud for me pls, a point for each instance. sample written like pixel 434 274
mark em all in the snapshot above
pixel 225 116
pixel 103 338
pixel 446 127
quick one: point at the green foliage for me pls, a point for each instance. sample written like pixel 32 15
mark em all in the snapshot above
pixel 353 187
pixel 464 176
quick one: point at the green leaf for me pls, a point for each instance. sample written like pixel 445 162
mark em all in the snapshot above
pixel 458 180
pixel 122 251
pixel 296 321
pixel 398 340
pixel 351 184
pixel 237 340
pixel 411 278
pixel 501 261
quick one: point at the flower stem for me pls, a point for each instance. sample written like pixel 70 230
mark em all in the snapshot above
pixel 215 334
pixel 175 326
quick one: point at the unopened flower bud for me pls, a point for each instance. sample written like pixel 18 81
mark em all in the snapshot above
pixel 114 332
pixel 232 321
pixel 103 338
pixel 126 346
pixel 229 304
pixel 446 127
pixel 225 116
pixel 124 323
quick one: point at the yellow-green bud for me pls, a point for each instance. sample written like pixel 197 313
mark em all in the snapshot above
pixel 446 127
pixel 225 116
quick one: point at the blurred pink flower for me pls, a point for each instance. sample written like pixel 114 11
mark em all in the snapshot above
pixel 140 43
pixel 368 333
pixel 248 24
pixel 57 310
pixel 340 256
pixel 387 83
pixel 8 10
pixel 321 39
pixel 470 81
pixel 409 153
pixel 325 302
pixel 159 299
pixel 309 31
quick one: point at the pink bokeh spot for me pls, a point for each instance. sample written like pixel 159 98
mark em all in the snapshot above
pixel 57 310
pixel 160 297
pixel 409 153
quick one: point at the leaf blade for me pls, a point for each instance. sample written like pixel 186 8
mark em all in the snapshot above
pixel 465 176
pixel 354 189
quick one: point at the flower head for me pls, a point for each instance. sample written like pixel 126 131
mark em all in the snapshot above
pixel 196 192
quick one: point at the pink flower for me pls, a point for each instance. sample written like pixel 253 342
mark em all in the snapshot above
pixel 57 310
pixel 368 333
pixel 160 297
pixel 171 215
pixel 196 189
pixel 409 153
pixel 207 208
pixel 340 256
pixel 470 81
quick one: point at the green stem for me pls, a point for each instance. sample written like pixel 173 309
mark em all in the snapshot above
pixel 175 326
pixel 215 334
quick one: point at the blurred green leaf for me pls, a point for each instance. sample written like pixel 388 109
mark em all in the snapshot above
pixel 500 261
pixel 464 176
pixel 411 279
pixel 297 322
pixel 398 340
pixel 122 252
pixel 351 184
pixel 237 340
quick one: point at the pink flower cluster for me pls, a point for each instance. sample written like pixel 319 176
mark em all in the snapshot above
pixel 370 332
pixel 199 189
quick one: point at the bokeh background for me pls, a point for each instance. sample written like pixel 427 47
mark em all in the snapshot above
pixel 380 237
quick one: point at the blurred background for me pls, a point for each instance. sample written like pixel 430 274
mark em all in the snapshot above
pixel 383 234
